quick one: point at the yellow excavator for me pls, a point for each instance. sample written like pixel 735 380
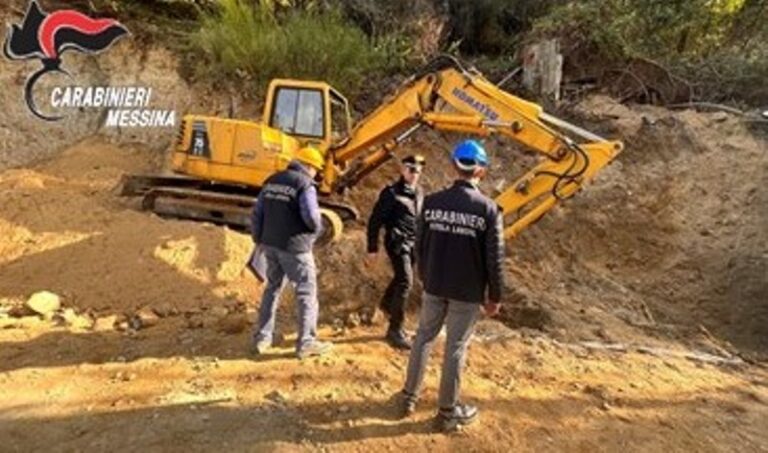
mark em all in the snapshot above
pixel 220 164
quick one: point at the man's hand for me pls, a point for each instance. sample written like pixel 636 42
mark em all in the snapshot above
pixel 371 259
pixel 491 309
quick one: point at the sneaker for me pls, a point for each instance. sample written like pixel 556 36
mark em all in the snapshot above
pixel 260 347
pixel 449 420
pixel 316 348
pixel 406 404
pixel 397 339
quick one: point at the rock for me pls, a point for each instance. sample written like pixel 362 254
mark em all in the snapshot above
pixel 195 321
pixel 123 377
pixel 20 311
pixel 368 316
pixel 218 311
pixel 276 397
pixel 144 318
pixel 719 117
pixel 23 322
pixel 105 323
pixel 344 409
pixel 71 319
pixel 165 309
pixel 352 320
pixel 235 306
pixel 44 303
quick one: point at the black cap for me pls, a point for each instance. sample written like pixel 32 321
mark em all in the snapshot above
pixel 414 159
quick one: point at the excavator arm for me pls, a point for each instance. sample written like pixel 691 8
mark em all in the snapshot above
pixel 446 96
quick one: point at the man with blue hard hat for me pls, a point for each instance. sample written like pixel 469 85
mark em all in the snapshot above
pixel 460 253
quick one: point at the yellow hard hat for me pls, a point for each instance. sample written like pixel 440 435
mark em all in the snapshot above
pixel 311 156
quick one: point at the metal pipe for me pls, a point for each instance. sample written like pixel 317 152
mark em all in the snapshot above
pixel 400 138
pixel 562 124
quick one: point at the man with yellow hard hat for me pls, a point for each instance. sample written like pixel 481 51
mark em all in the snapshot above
pixel 286 222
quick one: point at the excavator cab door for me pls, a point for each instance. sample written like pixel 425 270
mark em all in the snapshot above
pixel 341 121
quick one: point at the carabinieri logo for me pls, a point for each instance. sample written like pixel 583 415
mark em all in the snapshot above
pixel 47 36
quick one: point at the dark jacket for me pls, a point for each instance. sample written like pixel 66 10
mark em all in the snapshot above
pixel 286 214
pixel 460 245
pixel 396 210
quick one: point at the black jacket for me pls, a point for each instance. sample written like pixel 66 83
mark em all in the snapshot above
pixel 461 245
pixel 396 210
pixel 286 214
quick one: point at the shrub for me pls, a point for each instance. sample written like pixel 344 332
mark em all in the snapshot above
pixel 719 46
pixel 254 44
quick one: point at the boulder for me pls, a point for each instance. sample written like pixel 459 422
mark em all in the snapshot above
pixel 44 303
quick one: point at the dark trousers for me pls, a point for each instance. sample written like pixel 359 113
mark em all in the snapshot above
pixel 397 292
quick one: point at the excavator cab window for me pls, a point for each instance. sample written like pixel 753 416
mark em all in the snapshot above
pixel 298 111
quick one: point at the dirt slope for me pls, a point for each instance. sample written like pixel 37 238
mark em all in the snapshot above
pixel 670 242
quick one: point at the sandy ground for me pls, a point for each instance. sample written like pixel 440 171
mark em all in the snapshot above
pixel 171 389
pixel 94 378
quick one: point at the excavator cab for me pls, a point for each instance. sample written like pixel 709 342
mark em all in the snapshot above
pixel 312 112
pixel 246 153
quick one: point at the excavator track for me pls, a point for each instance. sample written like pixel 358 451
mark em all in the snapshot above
pixel 222 204
pixel 200 205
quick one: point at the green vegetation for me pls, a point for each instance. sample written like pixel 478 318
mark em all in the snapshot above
pixel 254 43
pixel 649 27
pixel 720 47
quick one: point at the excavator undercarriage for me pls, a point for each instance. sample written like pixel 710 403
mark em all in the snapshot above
pixel 182 197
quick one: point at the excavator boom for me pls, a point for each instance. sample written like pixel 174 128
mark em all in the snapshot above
pixel 448 97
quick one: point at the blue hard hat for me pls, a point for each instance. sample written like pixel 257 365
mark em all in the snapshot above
pixel 469 155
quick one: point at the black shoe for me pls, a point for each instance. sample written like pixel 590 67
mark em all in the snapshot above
pixel 449 420
pixel 406 404
pixel 397 339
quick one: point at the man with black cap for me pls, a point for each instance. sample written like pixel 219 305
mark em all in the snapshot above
pixel 396 210
pixel 460 250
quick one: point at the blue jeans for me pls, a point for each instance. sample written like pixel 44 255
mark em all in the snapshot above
pixel 300 270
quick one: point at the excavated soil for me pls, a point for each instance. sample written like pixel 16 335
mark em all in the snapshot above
pixel 642 324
